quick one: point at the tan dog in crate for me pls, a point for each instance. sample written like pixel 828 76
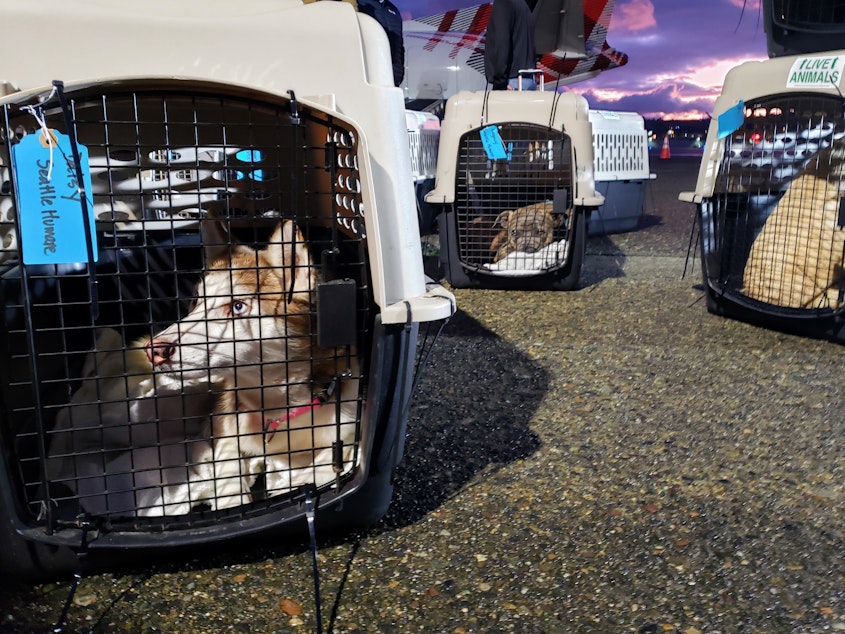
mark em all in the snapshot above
pixel 526 229
pixel 798 258
pixel 251 332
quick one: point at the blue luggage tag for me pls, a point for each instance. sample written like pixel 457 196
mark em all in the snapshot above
pixel 49 200
pixel 730 120
pixel 492 142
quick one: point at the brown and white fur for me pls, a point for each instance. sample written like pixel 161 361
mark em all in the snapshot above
pixel 122 444
pixel 251 333
pixel 527 229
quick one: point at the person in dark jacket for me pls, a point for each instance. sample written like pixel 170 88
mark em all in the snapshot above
pixel 509 44
pixel 385 13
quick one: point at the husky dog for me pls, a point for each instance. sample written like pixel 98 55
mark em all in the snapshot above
pixel 284 403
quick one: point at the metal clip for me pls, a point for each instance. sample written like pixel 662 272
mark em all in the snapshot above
pixel 294 108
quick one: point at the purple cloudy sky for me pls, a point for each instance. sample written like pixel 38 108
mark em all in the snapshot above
pixel 678 50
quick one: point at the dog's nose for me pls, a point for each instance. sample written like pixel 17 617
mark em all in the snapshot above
pixel 158 351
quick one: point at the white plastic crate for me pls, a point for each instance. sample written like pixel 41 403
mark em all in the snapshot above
pixel 424 138
pixel 172 43
pixel 507 160
pixel 620 145
pixel 184 140
pixel 769 194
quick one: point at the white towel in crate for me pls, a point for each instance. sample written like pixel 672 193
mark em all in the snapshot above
pixel 523 263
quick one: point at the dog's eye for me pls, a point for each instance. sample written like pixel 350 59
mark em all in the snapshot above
pixel 238 307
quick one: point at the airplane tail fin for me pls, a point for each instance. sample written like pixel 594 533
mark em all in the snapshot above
pixel 470 20
pixel 570 36
pixel 571 39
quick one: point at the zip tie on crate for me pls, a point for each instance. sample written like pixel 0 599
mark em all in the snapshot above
pixel 555 101
pixel 294 108
pixel 46 133
pixel 841 98
pixel 424 353
pixel 293 272
pixel 484 106
pixel 59 88
pixel 337 445
pixel 692 247
pixel 310 518
pixel 86 526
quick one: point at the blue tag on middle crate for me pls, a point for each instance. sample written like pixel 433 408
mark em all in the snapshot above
pixel 492 142
pixel 49 200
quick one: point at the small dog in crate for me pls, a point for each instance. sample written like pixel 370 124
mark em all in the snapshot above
pixel 284 403
pixel 526 229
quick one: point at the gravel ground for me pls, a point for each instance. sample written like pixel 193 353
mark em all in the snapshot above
pixel 613 459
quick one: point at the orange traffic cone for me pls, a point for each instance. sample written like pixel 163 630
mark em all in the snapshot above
pixel 664 151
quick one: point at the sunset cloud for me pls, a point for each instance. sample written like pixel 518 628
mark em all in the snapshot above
pixel 633 15
pixel 673 101
pixel 676 69
pixel 713 75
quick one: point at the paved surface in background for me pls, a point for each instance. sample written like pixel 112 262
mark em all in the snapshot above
pixel 613 459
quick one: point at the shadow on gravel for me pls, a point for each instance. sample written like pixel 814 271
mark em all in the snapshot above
pixel 649 220
pixel 604 260
pixel 470 413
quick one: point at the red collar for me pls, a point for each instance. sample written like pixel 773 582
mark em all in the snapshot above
pixel 271 425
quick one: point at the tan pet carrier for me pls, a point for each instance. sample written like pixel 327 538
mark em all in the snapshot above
pixel 211 274
pixel 504 156
pixel 770 196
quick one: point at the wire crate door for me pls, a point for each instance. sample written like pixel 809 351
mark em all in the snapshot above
pixel 774 231
pixel 513 202
pixel 230 238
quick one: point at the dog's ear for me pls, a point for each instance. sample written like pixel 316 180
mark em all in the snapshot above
pixel 503 218
pixel 288 253
pixel 216 239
